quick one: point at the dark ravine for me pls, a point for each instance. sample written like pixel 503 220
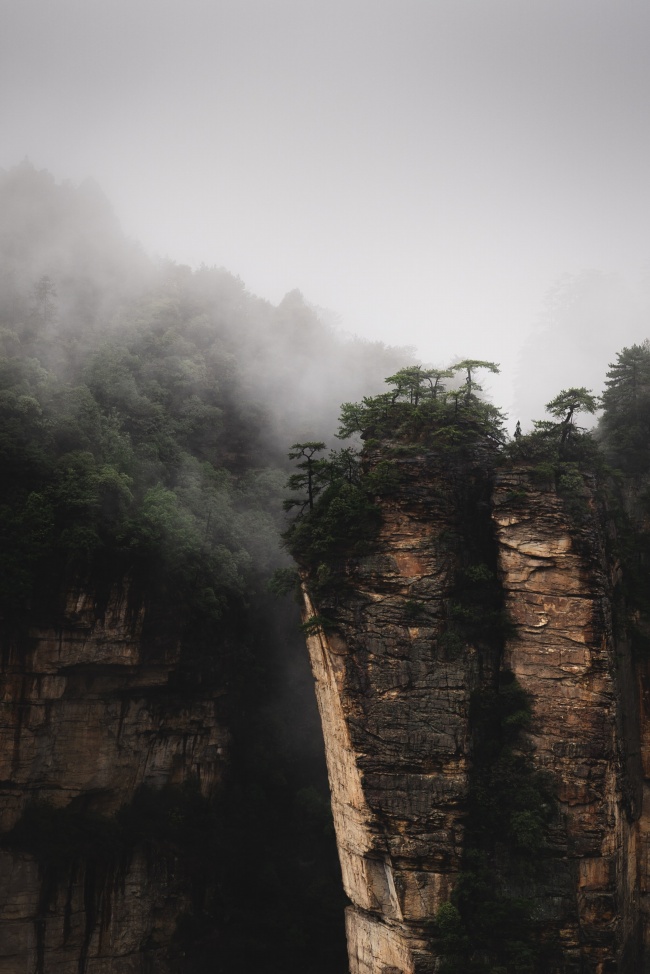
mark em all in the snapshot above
pixel 395 674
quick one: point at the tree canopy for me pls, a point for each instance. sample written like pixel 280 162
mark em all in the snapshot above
pixel 421 407
pixel 625 424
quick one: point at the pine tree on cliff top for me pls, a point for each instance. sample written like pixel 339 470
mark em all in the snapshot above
pixel 625 425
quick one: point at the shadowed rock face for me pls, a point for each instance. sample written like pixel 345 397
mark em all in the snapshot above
pixel 557 590
pixel 87 716
pixel 394 691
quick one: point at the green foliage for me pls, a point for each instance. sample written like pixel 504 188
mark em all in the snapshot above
pixel 562 441
pixel 625 424
pixel 510 801
pixel 317 624
pixel 452 942
pixel 629 545
pixel 336 497
pixel 545 472
pixel 624 434
pixel 419 409
pixel 113 474
pixel 344 519
pixel 478 574
pixel 469 366
pixel 475 612
pixel 284 581
pixel 139 422
pixel 500 939
pixel 312 477
pixel 453 640
pixel 571 401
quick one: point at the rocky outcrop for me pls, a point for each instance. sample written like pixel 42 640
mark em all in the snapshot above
pixel 394 682
pixel 88 714
pixel 558 594
pixel 394 696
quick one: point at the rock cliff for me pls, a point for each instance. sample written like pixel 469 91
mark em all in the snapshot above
pixel 394 697
pixel 396 667
pixel 559 596
pixel 478 572
pixel 88 715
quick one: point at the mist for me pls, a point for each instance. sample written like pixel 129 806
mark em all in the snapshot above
pixel 427 172
pixel 221 220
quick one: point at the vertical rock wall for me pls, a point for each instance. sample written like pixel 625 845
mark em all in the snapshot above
pixel 394 701
pixel 86 716
pixel 394 694
pixel 558 595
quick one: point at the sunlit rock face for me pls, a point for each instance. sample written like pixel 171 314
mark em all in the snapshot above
pixel 87 715
pixel 394 697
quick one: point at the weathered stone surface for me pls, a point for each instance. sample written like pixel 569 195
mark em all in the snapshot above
pixel 134 905
pixel 557 593
pixel 86 713
pixel 394 701
pixel 393 696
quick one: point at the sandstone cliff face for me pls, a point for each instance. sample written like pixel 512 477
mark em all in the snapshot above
pixel 558 595
pixel 86 716
pixel 394 692
pixel 394 700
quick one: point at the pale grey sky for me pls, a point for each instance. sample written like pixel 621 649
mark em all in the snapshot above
pixel 427 169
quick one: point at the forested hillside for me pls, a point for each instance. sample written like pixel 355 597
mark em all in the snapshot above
pixel 145 413
pixel 146 409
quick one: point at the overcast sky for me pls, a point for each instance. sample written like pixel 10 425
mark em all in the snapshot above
pixel 426 169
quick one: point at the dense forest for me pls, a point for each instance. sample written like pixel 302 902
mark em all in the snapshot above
pixel 147 416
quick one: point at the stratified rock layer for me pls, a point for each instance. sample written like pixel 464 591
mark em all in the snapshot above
pixel 87 715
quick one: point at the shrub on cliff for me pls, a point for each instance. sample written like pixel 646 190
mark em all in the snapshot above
pixel 420 409
pixel 335 497
pixel 559 440
pixel 337 514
